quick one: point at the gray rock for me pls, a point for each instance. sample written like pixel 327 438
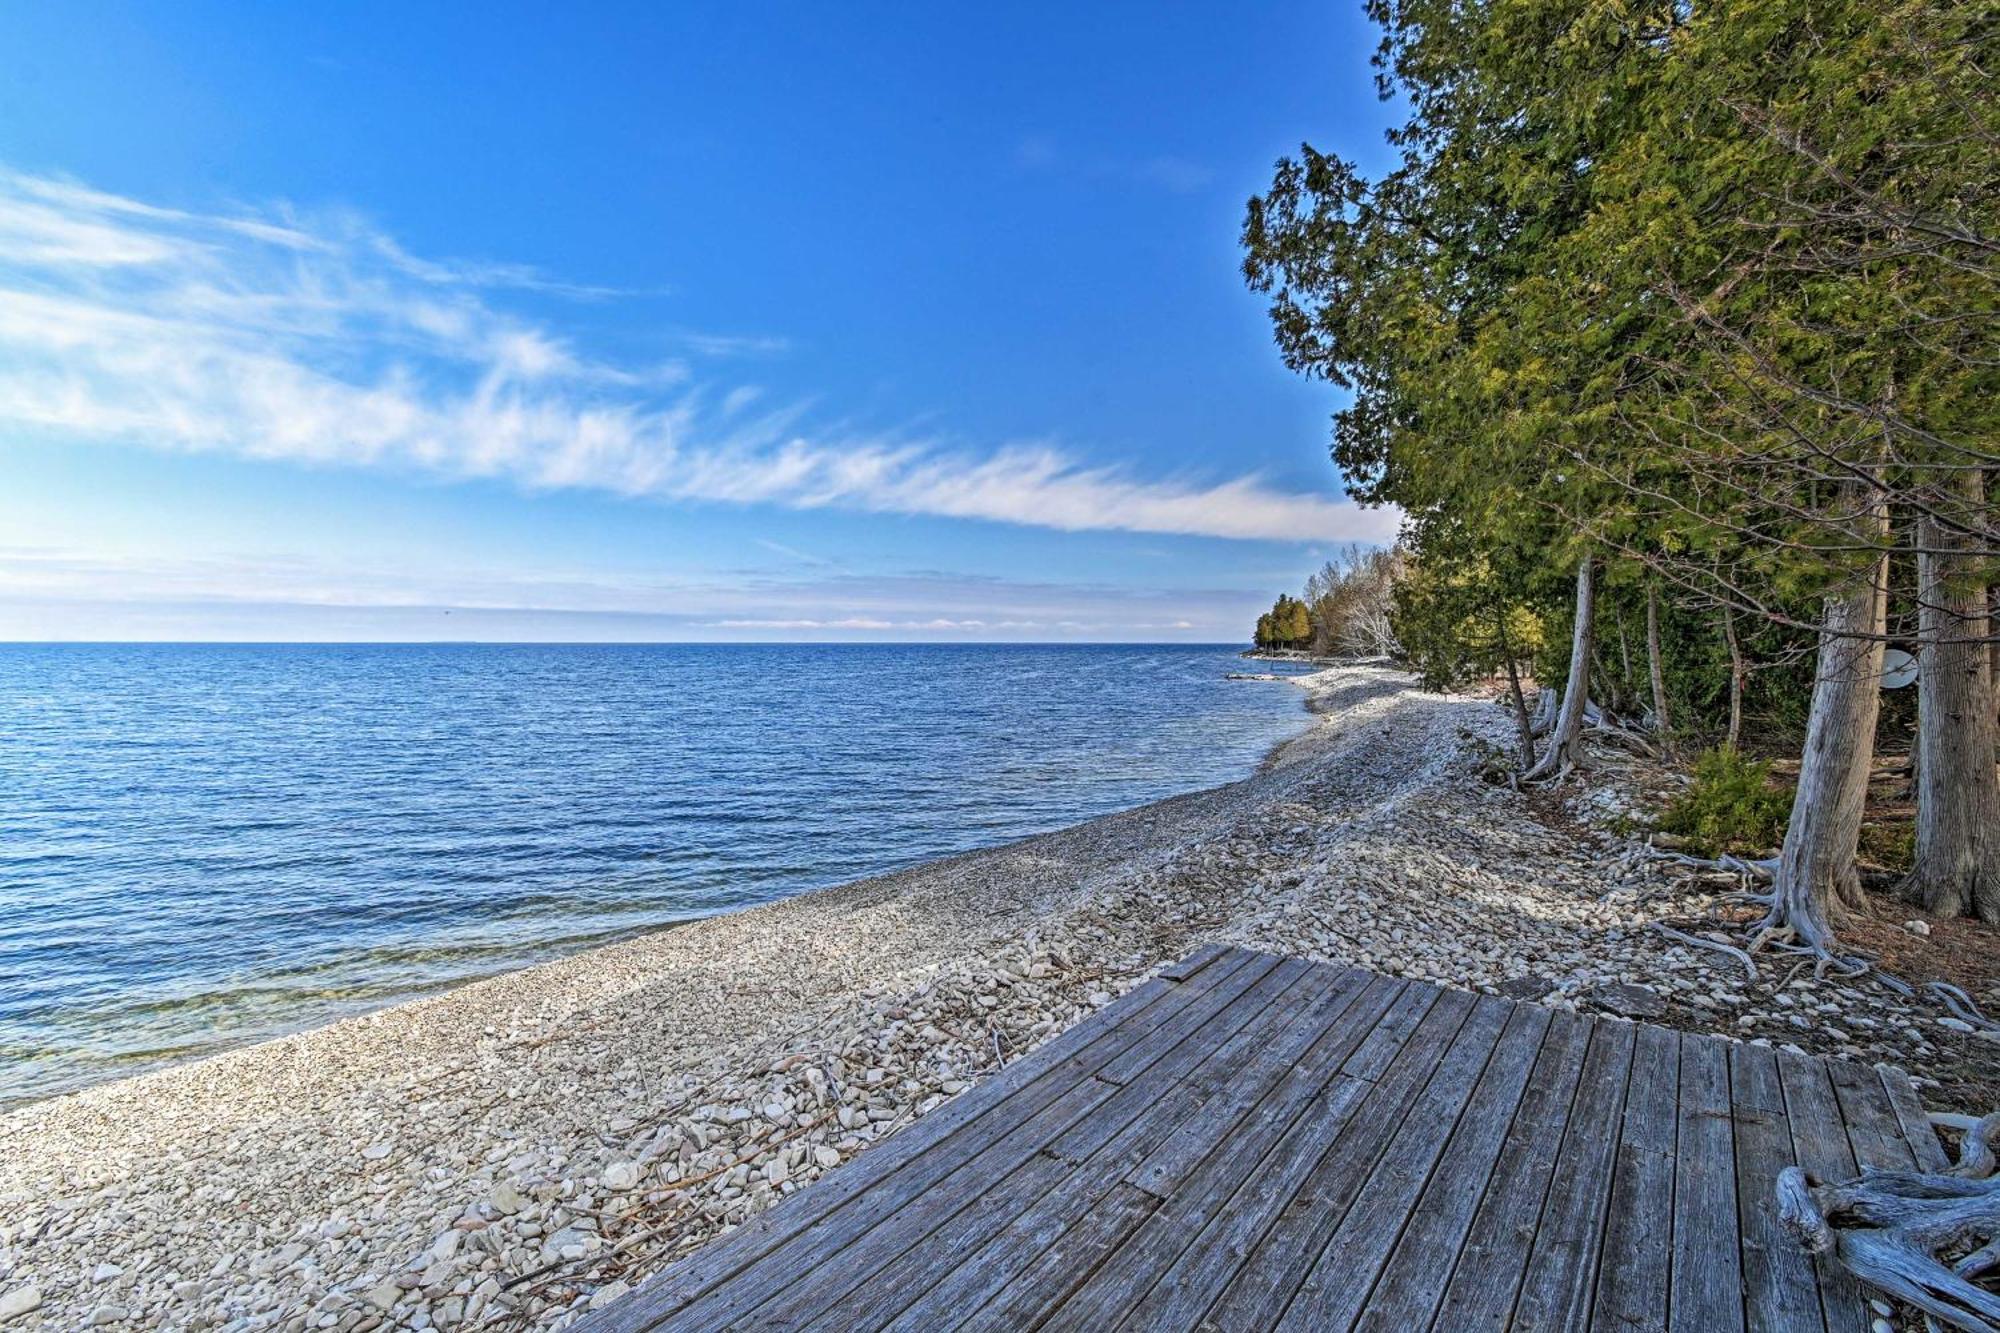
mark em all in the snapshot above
pixel 1626 999
pixel 19 1301
pixel 1531 987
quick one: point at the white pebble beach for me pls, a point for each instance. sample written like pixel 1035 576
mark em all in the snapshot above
pixel 512 1152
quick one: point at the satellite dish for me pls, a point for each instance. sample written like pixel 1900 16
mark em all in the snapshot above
pixel 1898 669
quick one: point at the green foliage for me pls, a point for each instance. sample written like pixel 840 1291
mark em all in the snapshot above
pixel 1656 282
pixel 1731 805
pixel 1288 624
pixel 1457 623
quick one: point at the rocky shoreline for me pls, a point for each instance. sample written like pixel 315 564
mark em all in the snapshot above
pixel 518 1150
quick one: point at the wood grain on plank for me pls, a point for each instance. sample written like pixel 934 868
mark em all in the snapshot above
pixel 861 1193
pixel 1819 1144
pixel 1780 1292
pixel 1263 1285
pixel 1637 1250
pixel 1486 1275
pixel 1560 1281
pixel 1707 1292
pixel 889 1264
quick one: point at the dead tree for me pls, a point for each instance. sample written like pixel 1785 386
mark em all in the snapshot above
pixel 1662 721
pixel 1566 737
pixel 1738 670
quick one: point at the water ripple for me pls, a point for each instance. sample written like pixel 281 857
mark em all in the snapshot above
pixel 202 845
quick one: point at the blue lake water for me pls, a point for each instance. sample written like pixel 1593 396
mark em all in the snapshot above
pixel 202 845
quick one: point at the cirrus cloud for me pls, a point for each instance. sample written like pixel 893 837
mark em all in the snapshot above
pixel 317 339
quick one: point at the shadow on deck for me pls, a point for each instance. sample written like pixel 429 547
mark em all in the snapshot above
pixel 1249 1142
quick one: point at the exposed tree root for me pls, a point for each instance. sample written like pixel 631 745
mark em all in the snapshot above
pixel 1740 955
pixel 1926 1238
pixel 1961 1006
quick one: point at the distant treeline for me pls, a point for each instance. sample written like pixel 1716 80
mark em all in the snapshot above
pixel 1346 609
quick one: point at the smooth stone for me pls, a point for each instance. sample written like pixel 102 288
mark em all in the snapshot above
pixel 19 1301
pixel 1626 1000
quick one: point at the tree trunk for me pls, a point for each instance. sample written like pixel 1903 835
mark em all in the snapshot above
pixel 1521 720
pixel 1993 648
pixel 1737 671
pixel 1957 865
pixel 1661 721
pixel 1567 737
pixel 1816 879
pixel 1617 698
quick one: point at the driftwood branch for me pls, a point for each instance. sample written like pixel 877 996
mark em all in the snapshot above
pixel 1923 1237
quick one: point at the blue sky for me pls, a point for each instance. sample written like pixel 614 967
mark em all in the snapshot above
pixel 649 322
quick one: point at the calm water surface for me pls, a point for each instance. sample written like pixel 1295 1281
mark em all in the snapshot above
pixel 202 845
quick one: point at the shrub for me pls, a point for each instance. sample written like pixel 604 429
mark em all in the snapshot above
pixel 1731 805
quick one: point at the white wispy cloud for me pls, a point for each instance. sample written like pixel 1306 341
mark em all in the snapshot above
pixel 308 338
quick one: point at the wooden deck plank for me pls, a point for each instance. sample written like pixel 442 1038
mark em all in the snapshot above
pixel 1918 1133
pixel 1244 1142
pixel 1263 1284
pixel 1819 1144
pixel 927 1255
pixel 1414 1263
pixel 961 1282
pixel 895 1262
pixel 1480 1290
pixel 1068 1263
pixel 1561 1277
pixel 1636 1255
pixel 874 1186
pixel 1143 1265
pixel 1173 1161
pixel 1203 957
pixel 1707 1290
pixel 1335 1287
pixel 1780 1292
pixel 1205 1230
pixel 1874 1135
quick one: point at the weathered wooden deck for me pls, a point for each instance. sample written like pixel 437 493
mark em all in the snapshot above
pixel 1250 1142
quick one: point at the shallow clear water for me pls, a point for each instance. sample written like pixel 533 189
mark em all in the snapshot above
pixel 202 845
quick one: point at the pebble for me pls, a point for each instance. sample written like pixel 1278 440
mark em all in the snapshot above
pixel 19 1301
pixel 714 1068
